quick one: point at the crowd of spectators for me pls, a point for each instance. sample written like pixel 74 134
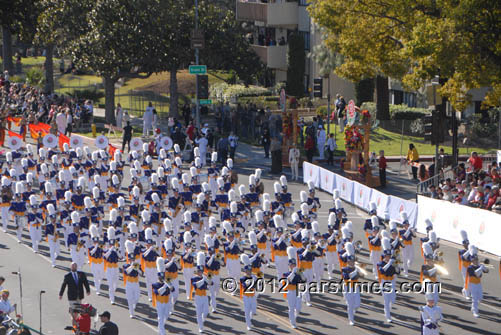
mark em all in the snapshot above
pixel 472 185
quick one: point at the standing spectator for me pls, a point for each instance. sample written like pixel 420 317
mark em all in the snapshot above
pixel 321 137
pixel 147 120
pixel 475 162
pixel 233 139
pixel 413 157
pixel 190 131
pixel 266 141
pixel 294 161
pixel 222 148
pixel 88 111
pixel 276 155
pixel 423 173
pixel 5 306
pixel 76 281
pixel 202 143
pixel 126 117
pixel 127 136
pixel 341 114
pixel 331 146
pixel 309 146
pixel 61 122
pixel 382 168
pixel 119 116
pixel 69 123
pixel 108 328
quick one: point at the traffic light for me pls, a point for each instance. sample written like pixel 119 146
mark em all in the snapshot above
pixel 203 86
pixel 317 87
pixel 434 128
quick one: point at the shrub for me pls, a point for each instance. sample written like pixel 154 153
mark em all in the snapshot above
pixel 16 79
pixel 88 94
pixel 480 128
pixel 398 112
pixel 35 76
pixel 224 91
pixel 417 126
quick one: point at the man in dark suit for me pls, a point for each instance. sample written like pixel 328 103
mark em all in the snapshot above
pixel 75 280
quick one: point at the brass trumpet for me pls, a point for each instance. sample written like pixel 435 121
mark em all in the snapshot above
pixel 358 246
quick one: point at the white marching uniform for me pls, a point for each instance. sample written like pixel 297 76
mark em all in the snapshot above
pixel 430 317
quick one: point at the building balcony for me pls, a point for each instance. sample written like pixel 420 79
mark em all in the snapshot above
pixel 272 14
pixel 275 57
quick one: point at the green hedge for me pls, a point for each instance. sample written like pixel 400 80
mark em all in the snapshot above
pixel 398 112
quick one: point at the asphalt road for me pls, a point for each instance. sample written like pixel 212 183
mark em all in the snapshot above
pixel 327 315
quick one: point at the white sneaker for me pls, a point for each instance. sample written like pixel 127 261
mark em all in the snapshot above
pixel 476 315
pixel 351 323
pixel 248 328
pixel 293 326
pixel 468 298
pixel 388 320
pixel 200 330
pixel 131 316
pixel 213 310
pixel 149 299
pixel 308 304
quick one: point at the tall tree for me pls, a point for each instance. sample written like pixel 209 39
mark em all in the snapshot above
pixel 416 40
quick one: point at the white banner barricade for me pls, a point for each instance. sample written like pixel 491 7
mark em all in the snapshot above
pixel 327 180
pixel 311 172
pixel 361 195
pixel 345 187
pixel 398 205
pixel 483 226
pixel 499 156
pixel 382 200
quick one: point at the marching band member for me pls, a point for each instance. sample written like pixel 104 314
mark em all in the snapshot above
pixel 285 197
pixel 18 211
pixel 247 291
pixel 465 260
pixel 429 227
pixel 257 260
pixel 306 257
pixel 148 261
pixel 296 235
pixel 473 281
pixel 351 291
pixel 279 246
pixel 74 242
pixel 28 189
pixel 111 258
pixel 131 278
pixel 429 276
pixel 199 286
pixel 213 173
pixel 175 205
pixel 35 220
pixel 313 201
pixel 319 245
pixel 51 234
pixel 406 235
pixel 431 315
pixel 138 248
pixel 169 236
pixel 387 272
pixel 213 234
pixel 331 250
pixel 65 216
pixel 5 204
pixel 172 268
pixel 136 207
pixel 277 205
pixel 161 295
pixel 187 262
pixel 231 251
pixel 96 258
pixel 213 264
pixel 294 277
pixel 375 248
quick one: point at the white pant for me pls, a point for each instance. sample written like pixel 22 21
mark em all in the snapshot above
pixel 233 268
pixel 163 311
pixel 308 275
pixel 112 278
pixel 295 170
pixel 79 257
pixel 476 296
pixel 294 302
pixel 202 307
pixel 320 147
pixel 318 268
pixel 214 290
pixel 53 249
pixel 203 157
pixel 465 292
pixel 281 263
pixel 332 261
pixel 132 294
pixel 98 273
pixel 250 306
pixel 150 275
pixel 407 257
pixel 352 298
pixel 20 222
pixel 5 217
pixel 428 331
pixel 375 257
pixel 389 298
pixel 188 274
pixel 36 237
pixel 174 295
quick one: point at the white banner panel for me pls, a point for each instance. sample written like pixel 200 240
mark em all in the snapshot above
pixel 382 200
pixel 345 187
pixel 361 195
pixel 499 156
pixel 483 227
pixel 311 173
pixel 398 205
pixel 327 180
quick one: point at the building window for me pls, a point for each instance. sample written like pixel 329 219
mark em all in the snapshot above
pixel 303 2
pixel 410 99
pixel 306 38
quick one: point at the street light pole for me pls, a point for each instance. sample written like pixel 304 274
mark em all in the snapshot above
pixel 328 105
pixel 197 114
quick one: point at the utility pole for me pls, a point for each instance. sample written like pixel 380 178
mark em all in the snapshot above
pixel 328 105
pixel 197 121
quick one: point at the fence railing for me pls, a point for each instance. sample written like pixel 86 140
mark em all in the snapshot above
pixel 422 187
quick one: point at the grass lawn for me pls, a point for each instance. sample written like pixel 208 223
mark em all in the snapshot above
pixel 390 142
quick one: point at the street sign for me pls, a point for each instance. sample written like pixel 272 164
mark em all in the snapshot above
pixel 197 39
pixel 205 101
pixel 198 69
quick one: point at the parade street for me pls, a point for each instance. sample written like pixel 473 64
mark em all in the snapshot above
pixel 326 315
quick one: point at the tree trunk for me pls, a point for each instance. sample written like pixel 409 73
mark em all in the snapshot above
pixel 49 68
pixel 109 96
pixel 173 105
pixel 8 65
pixel 382 98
